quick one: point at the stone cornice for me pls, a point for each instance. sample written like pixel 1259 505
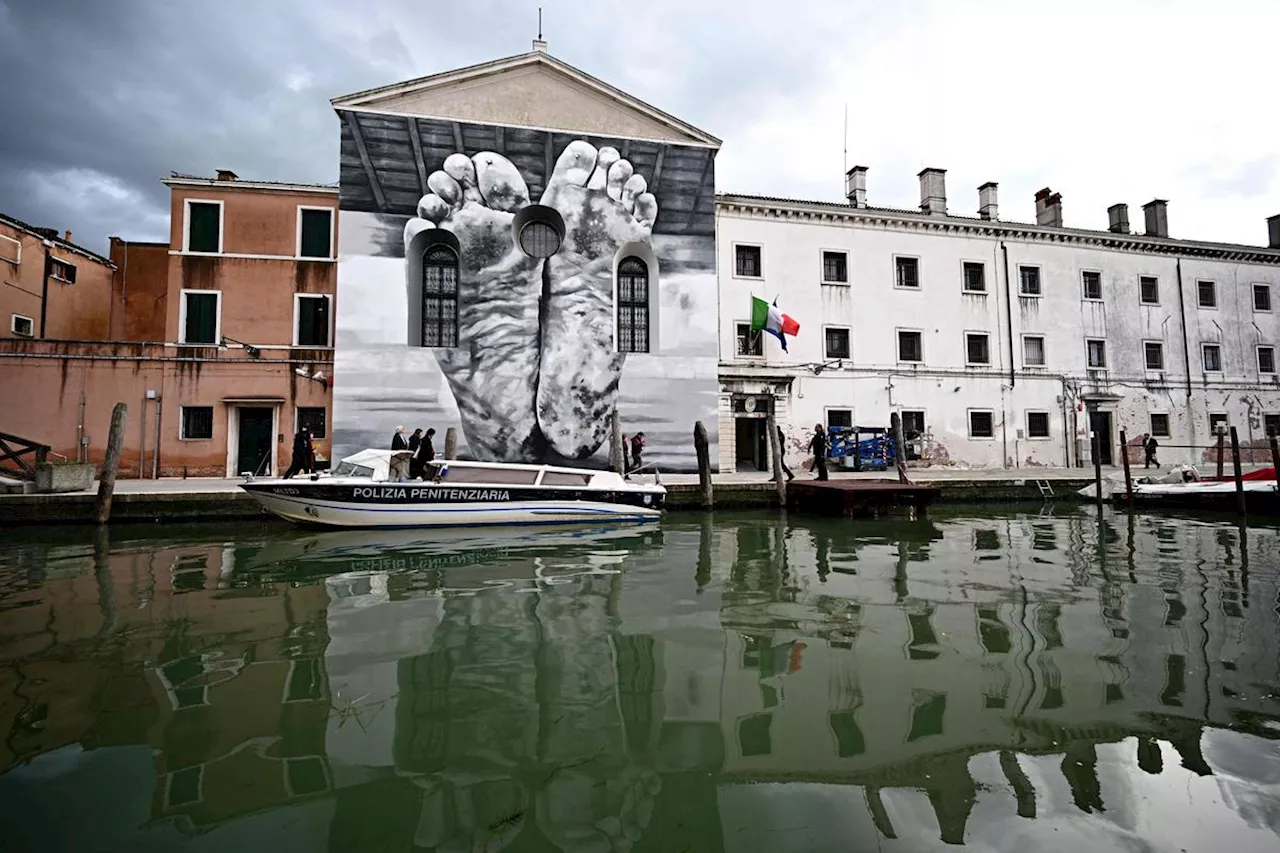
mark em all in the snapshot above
pixel 818 212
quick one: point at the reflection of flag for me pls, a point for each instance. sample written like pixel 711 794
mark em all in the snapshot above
pixel 767 318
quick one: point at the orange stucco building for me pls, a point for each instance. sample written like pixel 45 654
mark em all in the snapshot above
pixel 220 340
pixel 50 287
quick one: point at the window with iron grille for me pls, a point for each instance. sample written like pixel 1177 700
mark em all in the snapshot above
pixel 1096 351
pixel 633 305
pixel 1149 290
pixel 1033 350
pixel 1262 297
pixel 912 423
pixel 977 348
pixel 1271 424
pixel 1212 357
pixel 439 297
pixel 835 267
pixel 1208 294
pixel 1217 422
pixel 746 261
pixel 1029 281
pixel 1266 359
pixel 907 272
pixel 313 418
pixel 1160 424
pixel 1154 352
pixel 1092 283
pixel 839 417
pixel 750 342
pixel 837 343
pixel 197 422
pixel 910 346
pixel 1037 424
pixel 981 424
pixel 975 277
pixel 21 325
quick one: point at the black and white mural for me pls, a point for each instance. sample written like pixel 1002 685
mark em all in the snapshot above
pixel 520 285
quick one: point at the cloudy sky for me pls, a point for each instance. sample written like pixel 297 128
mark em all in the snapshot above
pixel 1102 101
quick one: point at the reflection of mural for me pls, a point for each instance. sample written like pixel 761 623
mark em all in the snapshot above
pixel 528 356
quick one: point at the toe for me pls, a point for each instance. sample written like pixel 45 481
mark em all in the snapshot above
pixel 604 161
pixel 632 189
pixel 443 187
pixel 434 208
pixel 619 173
pixel 460 168
pixel 646 209
pixel 575 165
pixel 500 182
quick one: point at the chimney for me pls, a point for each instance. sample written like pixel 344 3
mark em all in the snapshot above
pixel 1118 217
pixel 66 238
pixel 1273 232
pixel 933 191
pixel 540 44
pixel 855 186
pixel 987 206
pixel 1157 214
pixel 1049 208
pixel 226 175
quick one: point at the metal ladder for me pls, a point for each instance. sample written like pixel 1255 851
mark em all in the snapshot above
pixel 1046 490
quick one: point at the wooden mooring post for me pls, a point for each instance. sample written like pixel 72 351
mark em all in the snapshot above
pixel 703 451
pixel 1096 445
pixel 1128 476
pixel 899 448
pixel 107 480
pixel 1235 464
pixel 1275 459
pixel 775 448
pixel 451 443
pixel 1219 455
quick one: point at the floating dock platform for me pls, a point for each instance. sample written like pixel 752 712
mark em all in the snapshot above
pixel 860 498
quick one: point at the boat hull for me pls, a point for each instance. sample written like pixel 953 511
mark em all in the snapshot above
pixel 422 505
pixel 1260 498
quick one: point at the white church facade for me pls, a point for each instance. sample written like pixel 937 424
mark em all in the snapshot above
pixel 1001 344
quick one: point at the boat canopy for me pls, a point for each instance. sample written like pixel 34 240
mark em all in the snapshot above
pixel 379 465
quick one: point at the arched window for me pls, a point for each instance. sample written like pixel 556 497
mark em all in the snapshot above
pixel 633 305
pixel 439 297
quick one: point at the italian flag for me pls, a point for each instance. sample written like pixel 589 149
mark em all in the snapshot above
pixel 767 318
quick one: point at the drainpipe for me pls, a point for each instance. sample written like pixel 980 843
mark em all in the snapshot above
pixel 1008 315
pixel 142 439
pixel 1067 435
pixel 1186 356
pixel 155 455
pixel 44 286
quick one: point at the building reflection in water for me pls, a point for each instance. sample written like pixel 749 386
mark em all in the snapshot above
pixel 689 686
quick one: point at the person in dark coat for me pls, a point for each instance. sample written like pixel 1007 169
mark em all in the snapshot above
pixel 397 440
pixel 425 453
pixel 637 448
pixel 782 454
pixel 1149 448
pixel 818 444
pixel 415 468
pixel 302 454
pixel 415 439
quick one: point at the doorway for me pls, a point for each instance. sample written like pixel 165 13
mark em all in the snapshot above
pixel 751 443
pixel 256 441
pixel 1100 422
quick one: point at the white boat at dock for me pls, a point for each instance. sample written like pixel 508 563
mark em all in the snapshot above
pixel 372 489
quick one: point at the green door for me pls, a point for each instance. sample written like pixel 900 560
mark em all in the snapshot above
pixel 256 441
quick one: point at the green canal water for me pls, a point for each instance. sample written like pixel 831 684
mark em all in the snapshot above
pixel 742 682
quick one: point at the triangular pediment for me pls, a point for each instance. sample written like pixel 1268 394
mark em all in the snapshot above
pixel 532 90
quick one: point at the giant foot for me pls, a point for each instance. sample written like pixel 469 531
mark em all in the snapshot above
pixel 604 206
pixel 493 369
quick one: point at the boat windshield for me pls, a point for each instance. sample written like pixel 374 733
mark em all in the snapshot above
pixel 495 475
pixel 350 469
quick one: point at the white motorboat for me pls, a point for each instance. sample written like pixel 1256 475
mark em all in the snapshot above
pixel 372 489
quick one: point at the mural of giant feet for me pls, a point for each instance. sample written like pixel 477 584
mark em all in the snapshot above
pixel 605 206
pixel 493 370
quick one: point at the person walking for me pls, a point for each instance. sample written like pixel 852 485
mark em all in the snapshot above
pixel 301 460
pixel 819 447
pixel 637 448
pixel 782 454
pixel 397 440
pixel 415 468
pixel 425 453
pixel 1149 448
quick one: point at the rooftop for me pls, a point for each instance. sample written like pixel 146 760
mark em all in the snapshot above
pixel 230 180
pixel 51 234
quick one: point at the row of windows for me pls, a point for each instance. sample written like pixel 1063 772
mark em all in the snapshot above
pixel 440 300
pixel 204 229
pixel 978 350
pixel 835 270
pixel 201 318
pixel 196 423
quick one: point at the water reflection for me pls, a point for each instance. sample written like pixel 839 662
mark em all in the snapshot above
pixel 742 683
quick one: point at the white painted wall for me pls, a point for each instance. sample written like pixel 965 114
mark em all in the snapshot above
pixel 873 383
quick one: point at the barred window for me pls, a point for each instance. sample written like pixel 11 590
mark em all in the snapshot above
pixel 633 305
pixel 439 297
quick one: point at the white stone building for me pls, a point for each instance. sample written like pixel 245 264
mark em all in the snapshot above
pixel 998 342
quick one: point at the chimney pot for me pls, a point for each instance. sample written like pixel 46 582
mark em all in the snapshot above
pixel 1157 216
pixel 226 175
pixel 1273 232
pixel 66 238
pixel 1049 208
pixel 540 45
pixel 1118 218
pixel 987 202
pixel 933 191
pixel 855 186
